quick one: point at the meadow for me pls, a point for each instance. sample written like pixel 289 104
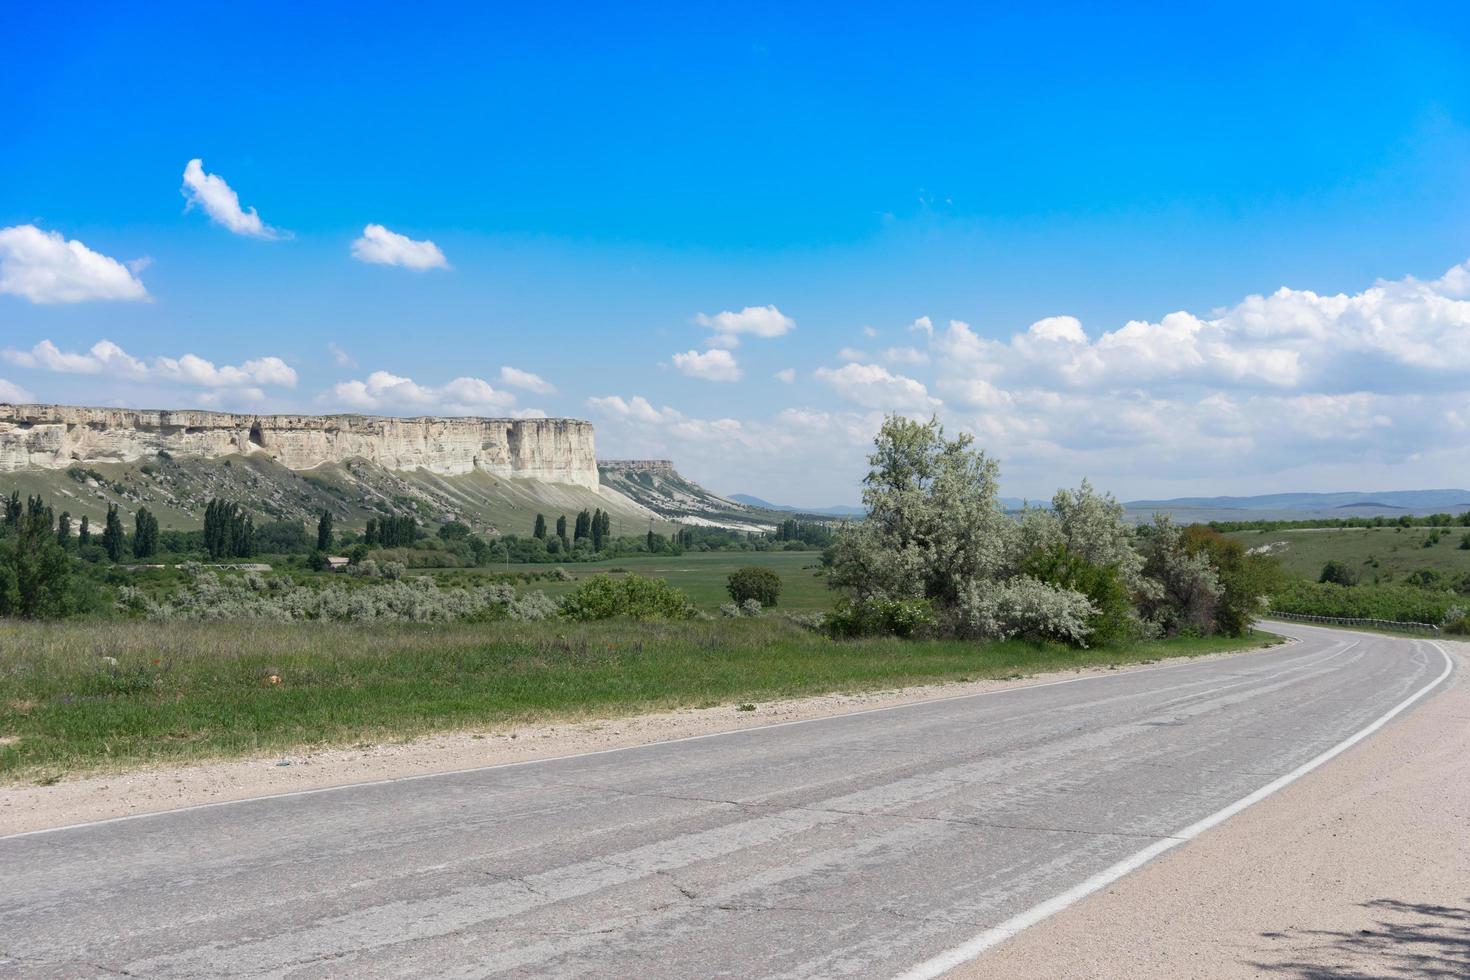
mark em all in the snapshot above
pixel 1387 553
pixel 82 695
pixel 701 575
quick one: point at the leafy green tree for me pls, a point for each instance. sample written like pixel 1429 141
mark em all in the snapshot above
pixel 583 527
pixel 35 571
pixel 561 531
pixel 63 529
pixel 113 535
pixel 145 533
pixel 324 532
pixel 1245 579
pixel 540 529
pixel 84 532
pixel 599 538
pixel 753 582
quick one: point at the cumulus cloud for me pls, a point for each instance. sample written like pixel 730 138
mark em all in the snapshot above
pixel 516 378
pixel 380 246
pixel 105 358
pixel 905 355
pixel 785 375
pixel 873 386
pixel 754 321
pixel 222 204
pixel 14 393
pixel 852 354
pixel 44 267
pixel 711 365
pixel 385 392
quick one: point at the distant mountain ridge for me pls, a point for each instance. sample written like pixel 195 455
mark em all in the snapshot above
pixel 1409 501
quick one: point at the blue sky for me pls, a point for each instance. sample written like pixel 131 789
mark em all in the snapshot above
pixel 596 179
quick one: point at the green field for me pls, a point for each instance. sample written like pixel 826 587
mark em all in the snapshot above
pixel 80 696
pixel 1388 553
pixel 701 575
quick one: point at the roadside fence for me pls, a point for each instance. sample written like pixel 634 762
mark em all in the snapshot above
pixel 1383 624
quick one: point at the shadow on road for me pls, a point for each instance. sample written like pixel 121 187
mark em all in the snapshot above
pixel 1409 940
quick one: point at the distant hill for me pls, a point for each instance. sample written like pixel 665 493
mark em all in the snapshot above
pixel 836 510
pixel 1289 506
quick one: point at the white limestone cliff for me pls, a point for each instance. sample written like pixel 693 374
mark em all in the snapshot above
pixel 58 436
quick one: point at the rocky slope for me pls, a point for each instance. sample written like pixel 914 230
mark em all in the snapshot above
pixel 61 436
pixel 656 485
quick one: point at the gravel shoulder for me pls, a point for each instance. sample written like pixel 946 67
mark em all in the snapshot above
pixel 126 793
pixel 1360 869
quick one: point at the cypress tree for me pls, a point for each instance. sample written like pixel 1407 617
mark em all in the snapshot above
pixel 13 510
pixel 324 532
pixel 63 529
pixel 561 530
pixel 145 533
pixel 540 529
pixel 84 532
pixel 113 534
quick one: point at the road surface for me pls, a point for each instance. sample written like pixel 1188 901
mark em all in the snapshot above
pixel 861 845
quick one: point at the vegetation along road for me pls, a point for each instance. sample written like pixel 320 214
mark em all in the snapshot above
pixel 870 844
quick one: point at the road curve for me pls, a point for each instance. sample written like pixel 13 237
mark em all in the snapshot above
pixel 860 845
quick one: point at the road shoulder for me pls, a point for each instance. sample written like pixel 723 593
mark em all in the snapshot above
pixel 1358 869
pixel 82 799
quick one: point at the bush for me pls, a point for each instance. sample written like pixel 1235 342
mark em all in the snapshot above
pixel 626 597
pixel 1400 603
pixel 1024 608
pixel 882 617
pixel 1337 573
pixel 753 582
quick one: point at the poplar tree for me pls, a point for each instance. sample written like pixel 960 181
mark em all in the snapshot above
pixel 540 530
pixel 113 534
pixel 324 532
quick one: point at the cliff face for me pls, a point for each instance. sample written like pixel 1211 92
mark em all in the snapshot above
pixel 56 436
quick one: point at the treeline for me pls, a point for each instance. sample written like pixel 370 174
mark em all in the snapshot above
pixel 1400 603
pixel 1406 520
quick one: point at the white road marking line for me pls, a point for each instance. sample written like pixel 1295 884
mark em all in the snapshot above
pixel 971 949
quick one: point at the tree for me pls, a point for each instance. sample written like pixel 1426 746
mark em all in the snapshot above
pixel 561 531
pixel 229 532
pixel 13 510
pixel 934 519
pixel 84 532
pixel 63 529
pixel 753 582
pixel 324 532
pixel 583 527
pixel 1245 579
pixel 1188 588
pixel 1338 573
pixel 113 534
pixel 598 538
pixel 540 528
pixel 145 533
pixel 35 571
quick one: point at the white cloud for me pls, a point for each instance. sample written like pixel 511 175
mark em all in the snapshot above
pixel 342 358
pixel 712 365
pixel 852 354
pixel 869 332
pixel 905 355
pixel 105 358
pixel 755 321
pixel 380 246
pixel 873 386
pixel 637 408
pixel 14 393
pixel 382 391
pixel 44 267
pixel 516 378
pixel 922 325
pixel 785 375
pixel 222 204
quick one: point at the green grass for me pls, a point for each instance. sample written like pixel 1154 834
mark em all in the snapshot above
pixel 186 691
pixel 701 575
pixel 1387 552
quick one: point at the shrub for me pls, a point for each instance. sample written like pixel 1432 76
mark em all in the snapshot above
pixel 1112 618
pixel 1337 573
pixel 1401 603
pixel 754 583
pixel 1024 608
pixel 626 597
pixel 881 617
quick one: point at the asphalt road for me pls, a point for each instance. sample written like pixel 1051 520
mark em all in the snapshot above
pixel 852 846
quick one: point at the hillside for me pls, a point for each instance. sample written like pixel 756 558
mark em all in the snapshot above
pixel 177 489
pixel 656 485
pixel 1299 506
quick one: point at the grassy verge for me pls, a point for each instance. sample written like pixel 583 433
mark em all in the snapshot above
pixel 85 696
